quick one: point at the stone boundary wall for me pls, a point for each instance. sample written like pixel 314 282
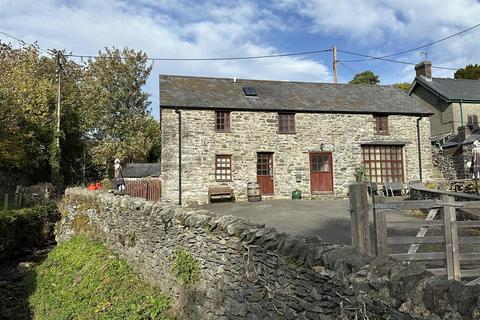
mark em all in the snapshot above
pixel 249 271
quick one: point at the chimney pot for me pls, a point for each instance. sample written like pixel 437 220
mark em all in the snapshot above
pixel 424 69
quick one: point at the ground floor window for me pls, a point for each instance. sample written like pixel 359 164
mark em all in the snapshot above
pixel 223 168
pixel 383 163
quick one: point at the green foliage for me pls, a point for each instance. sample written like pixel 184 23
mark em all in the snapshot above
pixel 365 77
pixel 185 267
pixel 115 108
pixel 293 262
pixel 402 86
pixel 26 228
pixel 104 113
pixel 361 174
pixel 81 279
pixel 471 71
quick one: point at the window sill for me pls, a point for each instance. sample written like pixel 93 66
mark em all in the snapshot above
pixel 382 133
pixel 218 131
pixel 286 132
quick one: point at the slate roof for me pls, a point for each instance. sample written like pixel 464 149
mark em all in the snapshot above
pixel 222 93
pixel 452 89
pixel 141 170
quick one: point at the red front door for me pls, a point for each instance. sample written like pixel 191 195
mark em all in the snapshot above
pixel 321 173
pixel 265 172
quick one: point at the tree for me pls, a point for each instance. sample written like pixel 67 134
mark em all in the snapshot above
pixel 402 85
pixel 365 77
pixel 27 96
pixel 116 110
pixel 471 71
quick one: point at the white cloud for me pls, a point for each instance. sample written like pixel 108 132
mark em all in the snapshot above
pixel 166 28
pixel 389 26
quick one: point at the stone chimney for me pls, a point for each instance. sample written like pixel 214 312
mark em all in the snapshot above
pixel 424 69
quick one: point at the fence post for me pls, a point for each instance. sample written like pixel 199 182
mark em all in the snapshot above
pixel 451 239
pixel 380 225
pixel 358 196
pixel 5 203
pixel 17 197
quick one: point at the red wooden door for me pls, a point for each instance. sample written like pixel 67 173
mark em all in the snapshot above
pixel 265 172
pixel 321 173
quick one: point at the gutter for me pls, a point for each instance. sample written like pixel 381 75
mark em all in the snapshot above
pixel 179 155
pixel 419 150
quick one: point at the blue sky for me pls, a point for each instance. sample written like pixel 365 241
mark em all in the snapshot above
pixel 216 28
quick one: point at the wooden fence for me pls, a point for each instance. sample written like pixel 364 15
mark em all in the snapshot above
pixel 441 216
pixel 148 188
pixel 12 200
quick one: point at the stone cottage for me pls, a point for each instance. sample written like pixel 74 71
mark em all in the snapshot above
pixel 287 136
pixel 454 125
pixel 455 103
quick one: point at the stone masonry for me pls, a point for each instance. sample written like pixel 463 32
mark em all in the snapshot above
pixel 249 271
pixel 252 132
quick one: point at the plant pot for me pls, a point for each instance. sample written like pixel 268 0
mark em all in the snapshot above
pixel 297 194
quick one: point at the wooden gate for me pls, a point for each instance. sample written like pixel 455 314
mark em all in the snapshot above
pixel 146 188
pixel 441 219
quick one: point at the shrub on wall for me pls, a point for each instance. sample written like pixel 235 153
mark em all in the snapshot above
pixel 185 267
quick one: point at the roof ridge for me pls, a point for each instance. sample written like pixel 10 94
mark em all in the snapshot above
pixel 278 81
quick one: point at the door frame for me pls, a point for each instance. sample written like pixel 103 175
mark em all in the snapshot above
pixel 272 172
pixel 330 154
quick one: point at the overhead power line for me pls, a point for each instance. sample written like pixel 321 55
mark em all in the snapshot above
pixel 416 48
pixel 389 60
pixel 24 42
pixel 217 58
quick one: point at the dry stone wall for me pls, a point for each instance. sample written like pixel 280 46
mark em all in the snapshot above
pixel 249 271
pixel 252 132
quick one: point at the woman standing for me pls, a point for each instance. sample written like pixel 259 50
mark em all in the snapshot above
pixel 118 176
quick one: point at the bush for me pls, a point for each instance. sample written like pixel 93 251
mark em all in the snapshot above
pixel 24 229
pixel 185 267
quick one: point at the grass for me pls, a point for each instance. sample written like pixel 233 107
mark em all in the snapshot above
pixel 81 279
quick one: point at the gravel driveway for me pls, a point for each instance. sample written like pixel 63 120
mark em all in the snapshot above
pixel 328 219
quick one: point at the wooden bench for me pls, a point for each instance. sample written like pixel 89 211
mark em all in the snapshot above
pixel 220 193
pixel 393 187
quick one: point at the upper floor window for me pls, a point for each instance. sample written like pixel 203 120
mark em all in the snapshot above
pixel 381 124
pixel 286 123
pixel 222 121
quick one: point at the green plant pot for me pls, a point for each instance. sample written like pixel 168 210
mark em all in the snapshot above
pixel 297 194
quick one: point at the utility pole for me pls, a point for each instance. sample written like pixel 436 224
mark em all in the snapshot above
pixel 56 176
pixel 335 76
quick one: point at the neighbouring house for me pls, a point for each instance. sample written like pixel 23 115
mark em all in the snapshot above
pixel 287 136
pixel 454 125
pixel 142 170
pixel 455 102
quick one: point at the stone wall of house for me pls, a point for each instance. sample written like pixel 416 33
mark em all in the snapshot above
pixel 252 132
pixel 445 161
pixel 249 271
pixel 471 115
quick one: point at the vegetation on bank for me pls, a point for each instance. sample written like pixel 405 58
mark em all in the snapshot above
pixel 24 229
pixel 81 279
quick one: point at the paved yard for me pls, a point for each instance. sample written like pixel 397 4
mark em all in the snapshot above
pixel 328 219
